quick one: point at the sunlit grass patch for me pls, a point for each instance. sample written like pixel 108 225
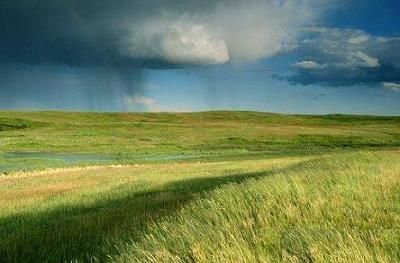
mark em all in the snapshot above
pixel 198 187
pixel 335 209
pixel 80 213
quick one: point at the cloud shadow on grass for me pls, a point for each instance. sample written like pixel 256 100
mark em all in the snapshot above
pixel 84 232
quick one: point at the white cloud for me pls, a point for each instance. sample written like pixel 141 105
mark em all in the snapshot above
pixel 180 41
pixel 360 59
pixel 346 57
pixel 237 31
pixel 391 86
pixel 260 29
pixel 133 102
pixel 343 48
pixel 358 40
pixel 308 64
pixel 143 103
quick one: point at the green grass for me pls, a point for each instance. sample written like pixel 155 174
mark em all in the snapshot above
pixel 199 187
pixel 150 137
pixel 79 214
pixel 12 124
pixel 341 208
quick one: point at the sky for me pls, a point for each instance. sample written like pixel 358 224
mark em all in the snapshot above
pixel 285 56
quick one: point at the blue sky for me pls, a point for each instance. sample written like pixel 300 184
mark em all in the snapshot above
pixel 340 57
pixel 242 87
pixel 376 17
pixel 246 90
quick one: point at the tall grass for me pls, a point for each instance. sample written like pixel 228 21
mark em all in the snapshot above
pixel 81 214
pixel 341 208
pixel 199 187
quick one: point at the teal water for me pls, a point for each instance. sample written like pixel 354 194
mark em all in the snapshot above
pixel 27 161
pixel 21 161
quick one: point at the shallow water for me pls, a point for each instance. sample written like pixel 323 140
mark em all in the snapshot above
pixel 66 157
pixel 28 161
pixel 24 161
pixel 13 161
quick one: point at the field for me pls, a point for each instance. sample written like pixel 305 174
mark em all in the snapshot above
pixel 199 187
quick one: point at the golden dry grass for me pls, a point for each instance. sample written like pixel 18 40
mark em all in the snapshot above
pixel 77 213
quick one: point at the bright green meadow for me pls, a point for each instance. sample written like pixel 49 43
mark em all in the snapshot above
pixel 198 187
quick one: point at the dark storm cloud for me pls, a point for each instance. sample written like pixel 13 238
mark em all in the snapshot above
pixel 337 57
pixel 148 33
pixel 93 54
pixel 71 32
pixel 67 54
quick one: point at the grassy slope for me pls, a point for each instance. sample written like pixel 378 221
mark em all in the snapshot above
pixel 89 213
pixel 80 213
pixel 335 209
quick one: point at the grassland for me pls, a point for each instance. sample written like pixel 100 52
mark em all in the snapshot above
pixel 199 187
pixel 26 138
pixel 334 209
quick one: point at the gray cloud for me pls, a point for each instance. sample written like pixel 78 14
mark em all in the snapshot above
pixel 344 57
pixel 391 86
pixel 93 54
pixel 149 33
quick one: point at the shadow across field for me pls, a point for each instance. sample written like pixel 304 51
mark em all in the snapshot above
pixel 89 232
